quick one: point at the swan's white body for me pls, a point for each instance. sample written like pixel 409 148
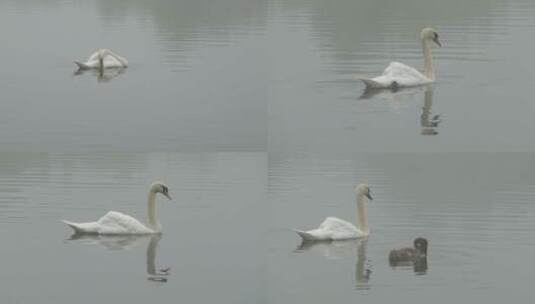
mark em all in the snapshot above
pixel 119 223
pixel 332 228
pixel 103 59
pixel 398 75
pixel 112 223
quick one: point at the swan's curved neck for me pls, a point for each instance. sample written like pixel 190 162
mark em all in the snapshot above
pixel 429 72
pixel 153 219
pixel 362 214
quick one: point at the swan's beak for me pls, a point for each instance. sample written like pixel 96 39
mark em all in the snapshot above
pixel 168 196
pixel 437 42
pixel 369 196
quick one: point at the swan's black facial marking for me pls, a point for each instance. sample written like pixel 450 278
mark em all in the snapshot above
pixel 164 189
pixel 369 194
pixel 435 39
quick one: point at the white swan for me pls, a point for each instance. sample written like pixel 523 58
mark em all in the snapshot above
pixel 118 223
pixel 398 75
pixel 334 228
pixel 102 59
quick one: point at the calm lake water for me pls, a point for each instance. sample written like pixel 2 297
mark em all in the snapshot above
pixel 248 110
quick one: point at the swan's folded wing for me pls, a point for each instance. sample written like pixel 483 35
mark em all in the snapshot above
pixel 121 60
pixel 398 69
pixel 112 62
pixel 110 59
pixel 339 229
pixel 331 229
pixel 94 56
pixel 336 224
pixel 404 75
pixel 314 235
pixel 119 223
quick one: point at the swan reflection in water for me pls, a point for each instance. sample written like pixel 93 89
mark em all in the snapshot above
pixel 102 75
pixel 344 249
pixel 154 274
pixel 429 121
pixel 393 94
pixel 123 242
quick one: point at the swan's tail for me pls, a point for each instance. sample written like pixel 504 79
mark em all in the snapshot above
pixel 370 83
pixel 83 228
pixel 305 235
pixel 81 65
pixel 74 226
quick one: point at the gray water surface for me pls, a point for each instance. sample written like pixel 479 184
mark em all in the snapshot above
pixel 248 110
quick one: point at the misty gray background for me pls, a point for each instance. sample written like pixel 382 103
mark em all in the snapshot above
pixel 249 112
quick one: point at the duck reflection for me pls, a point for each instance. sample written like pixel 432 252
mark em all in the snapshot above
pixel 102 75
pixel 123 242
pixel 418 265
pixel 428 121
pixel 344 249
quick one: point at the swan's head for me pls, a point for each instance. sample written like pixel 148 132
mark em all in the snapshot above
pixel 363 189
pixel 159 187
pixel 420 244
pixel 429 33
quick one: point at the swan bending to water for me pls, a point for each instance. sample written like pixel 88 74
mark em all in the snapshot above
pixel 334 228
pixel 102 59
pixel 398 75
pixel 119 223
